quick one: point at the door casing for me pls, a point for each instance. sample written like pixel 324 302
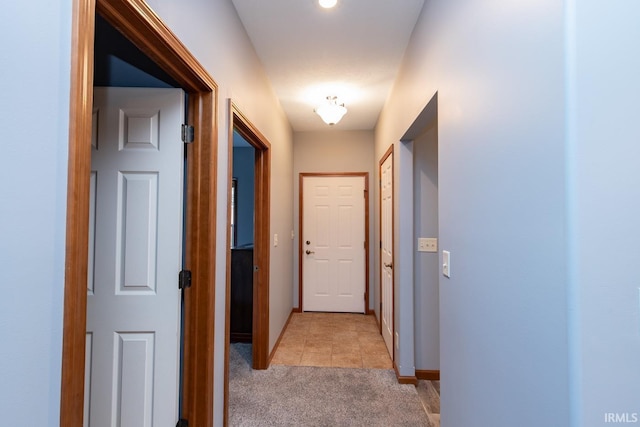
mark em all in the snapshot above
pixel 261 251
pixel 365 175
pixel 144 28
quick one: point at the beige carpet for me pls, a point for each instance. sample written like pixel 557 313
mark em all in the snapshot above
pixel 314 396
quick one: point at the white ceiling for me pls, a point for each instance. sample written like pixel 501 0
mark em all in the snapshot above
pixel 352 51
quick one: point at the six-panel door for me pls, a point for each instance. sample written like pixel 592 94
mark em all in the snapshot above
pixel 133 302
pixel 333 260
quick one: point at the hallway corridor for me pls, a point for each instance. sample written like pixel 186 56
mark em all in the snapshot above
pixel 328 369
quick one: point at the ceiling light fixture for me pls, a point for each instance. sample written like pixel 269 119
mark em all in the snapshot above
pixel 331 112
pixel 327 4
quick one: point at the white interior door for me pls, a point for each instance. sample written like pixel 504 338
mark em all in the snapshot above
pixel 386 250
pixel 133 302
pixel 333 258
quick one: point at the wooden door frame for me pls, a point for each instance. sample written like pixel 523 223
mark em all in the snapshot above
pixel 385 156
pixel 136 21
pixel 262 242
pixel 365 175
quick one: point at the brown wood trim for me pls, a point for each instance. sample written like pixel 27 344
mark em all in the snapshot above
pixel 365 175
pixel 429 375
pixel 275 347
pixel 199 300
pixel 262 234
pixel 140 24
pixel 143 27
pixel 77 237
pixel 262 257
pixel 244 337
pixel 387 153
pixel 404 379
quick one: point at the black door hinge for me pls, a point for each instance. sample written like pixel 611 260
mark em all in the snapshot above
pixel 182 423
pixel 187 134
pixel 184 279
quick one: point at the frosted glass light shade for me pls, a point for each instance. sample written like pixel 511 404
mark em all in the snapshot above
pixel 331 113
pixel 327 4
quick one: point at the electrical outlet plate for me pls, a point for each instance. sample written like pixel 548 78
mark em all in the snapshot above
pixel 428 244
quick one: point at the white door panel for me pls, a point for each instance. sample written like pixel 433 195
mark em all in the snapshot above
pixel 133 306
pixel 386 251
pixel 334 226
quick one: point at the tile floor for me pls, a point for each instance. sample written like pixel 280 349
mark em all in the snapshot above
pixel 342 340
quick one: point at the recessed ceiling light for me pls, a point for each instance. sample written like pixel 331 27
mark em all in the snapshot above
pixel 327 4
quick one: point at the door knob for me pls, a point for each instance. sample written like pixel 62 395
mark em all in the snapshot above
pixel 308 252
pixel 308 242
pixel 390 265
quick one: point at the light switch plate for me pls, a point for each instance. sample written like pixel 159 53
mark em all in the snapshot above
pixel 427 244
pixel 275 240
pixel 446 263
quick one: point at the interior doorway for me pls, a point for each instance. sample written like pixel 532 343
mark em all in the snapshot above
pixel 138 23
pixel 261 242
pixel 242 239
pixel 417 247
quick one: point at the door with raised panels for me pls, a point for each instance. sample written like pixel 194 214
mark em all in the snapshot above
pixel 133 302
pixel 386 250
pixel 333 239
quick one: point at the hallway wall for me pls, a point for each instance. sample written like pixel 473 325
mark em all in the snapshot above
pixel 603 63
pixel 497 68
pixel 332 151
pixel 33 193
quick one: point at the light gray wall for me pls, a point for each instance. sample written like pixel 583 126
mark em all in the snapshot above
pixel 332 151
pixel 426 265
pixel 498 70
pixel 34 124
pixel 244 171
pixel 603 65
